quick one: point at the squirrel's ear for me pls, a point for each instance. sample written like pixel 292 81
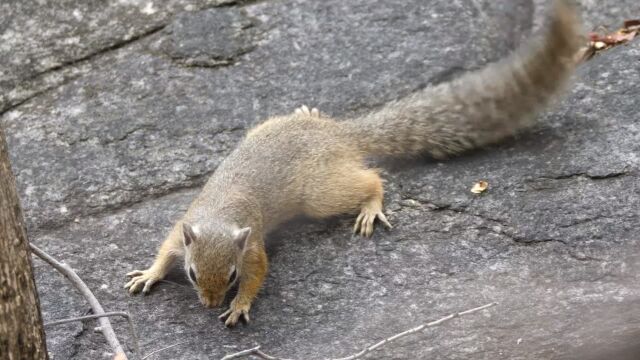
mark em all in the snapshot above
pixel 240 238
pixel 188 233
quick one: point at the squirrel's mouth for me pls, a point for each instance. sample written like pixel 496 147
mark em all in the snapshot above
pixel 211 301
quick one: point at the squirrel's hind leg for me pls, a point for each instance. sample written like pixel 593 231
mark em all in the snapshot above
pixel 371 209
pixel 346 188
pixel 368 214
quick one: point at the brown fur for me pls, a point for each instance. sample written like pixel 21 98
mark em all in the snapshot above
pixel 304 163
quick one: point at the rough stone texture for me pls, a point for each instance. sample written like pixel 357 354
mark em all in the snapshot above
pixel 598 15
pixel 139 124
pixel 47 35
pixel 108 160
pixel 209 38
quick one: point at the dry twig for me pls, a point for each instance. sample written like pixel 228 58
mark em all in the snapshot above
pixel 105 324
pixel 257 352
pixel 253 351
pixel 123 314
pixel 163 349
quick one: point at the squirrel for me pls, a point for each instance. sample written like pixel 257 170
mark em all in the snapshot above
pixel 306 163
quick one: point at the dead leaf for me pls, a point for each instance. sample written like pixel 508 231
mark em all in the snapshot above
pixel 599 42
pixel 479 187
pixel 598 45
pixel 630 24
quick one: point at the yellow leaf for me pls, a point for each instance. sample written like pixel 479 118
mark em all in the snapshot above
pixel 479 187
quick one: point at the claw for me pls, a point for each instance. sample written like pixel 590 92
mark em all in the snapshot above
pixel 235 313
pixel 369 228
pixel 141 279
pixel 363 225
pixel 358 221
pixel 128 285
pixel 224 314
pixel 304 110
pixel 384 221
pixel 365 222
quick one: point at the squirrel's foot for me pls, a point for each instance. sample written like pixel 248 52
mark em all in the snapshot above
pixel 236 311
pixel 368 215
pixel 140 278
pixel 304 110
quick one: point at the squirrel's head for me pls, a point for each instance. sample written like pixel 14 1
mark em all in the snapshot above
pixel 213 259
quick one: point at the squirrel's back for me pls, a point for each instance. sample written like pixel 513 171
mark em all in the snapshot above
pixel 287 158
pixel 480 107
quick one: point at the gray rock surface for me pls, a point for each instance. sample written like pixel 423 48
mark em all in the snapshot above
pixel 110 154
pixel 42 37
pixel 209 38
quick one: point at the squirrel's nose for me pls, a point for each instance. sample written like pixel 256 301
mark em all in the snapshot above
pixel 211 301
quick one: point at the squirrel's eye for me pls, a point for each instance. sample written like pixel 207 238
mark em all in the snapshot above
pixel 192 275
pixel 233 275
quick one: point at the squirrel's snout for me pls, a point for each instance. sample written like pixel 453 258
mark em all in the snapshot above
pixel 211 301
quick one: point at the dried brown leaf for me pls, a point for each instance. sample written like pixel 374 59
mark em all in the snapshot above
pixel 479 187
pixel 632 24
pixel 599 42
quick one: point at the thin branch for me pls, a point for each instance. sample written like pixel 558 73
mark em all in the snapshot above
pixel 123 314
pixel 76 281
pixel 164 348
pixel 87 317
pixel 415 330
pixel 257 352
pixel 242 353
pixel 132 329
pixel 253 351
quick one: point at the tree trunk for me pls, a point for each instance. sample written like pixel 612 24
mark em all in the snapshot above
pixel 21 332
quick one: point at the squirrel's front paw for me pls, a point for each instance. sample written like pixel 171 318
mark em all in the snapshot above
pixel 235 312
pixel 140 278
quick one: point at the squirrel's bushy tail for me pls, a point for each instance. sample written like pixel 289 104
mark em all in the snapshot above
pixel 480 107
